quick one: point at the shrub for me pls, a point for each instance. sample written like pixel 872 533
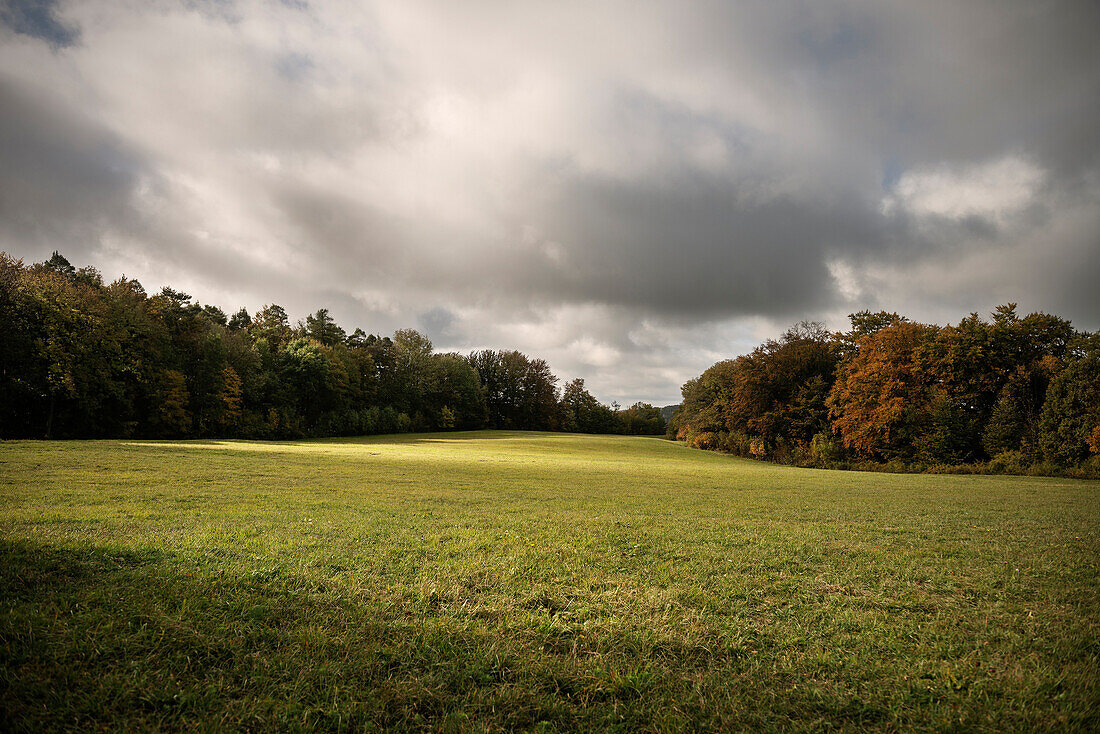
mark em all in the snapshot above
pixel 446 419
pixel 736 443
pixel 824 449
pixel 1008 462
pixel 704 440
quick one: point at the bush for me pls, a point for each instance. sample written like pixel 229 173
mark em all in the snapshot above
pixel 446 421
pixel 1008 462
pixel 735 443
pixel 824 450
pixel 896 466
pixel 707 440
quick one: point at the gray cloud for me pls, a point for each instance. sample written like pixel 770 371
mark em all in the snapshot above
pixel 38 19
pixel 631 191
pixel 62 175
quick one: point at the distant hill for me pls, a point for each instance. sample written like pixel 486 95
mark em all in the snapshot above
pixel 668 410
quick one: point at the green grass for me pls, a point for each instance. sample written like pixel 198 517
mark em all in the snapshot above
pixel 523 581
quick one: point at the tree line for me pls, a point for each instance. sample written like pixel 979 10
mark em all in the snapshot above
pixel 80 358
pixel 1013 394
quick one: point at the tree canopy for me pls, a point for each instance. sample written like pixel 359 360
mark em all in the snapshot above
pixel 1018 391
pixel 80 358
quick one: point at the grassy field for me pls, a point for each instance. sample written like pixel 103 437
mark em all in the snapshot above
pixel 503 581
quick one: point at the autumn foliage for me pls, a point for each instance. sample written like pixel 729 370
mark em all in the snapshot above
pixel 878 404
pixel 1023 391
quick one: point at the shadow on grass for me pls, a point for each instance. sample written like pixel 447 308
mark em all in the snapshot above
pixel 101 637
pixel 98 637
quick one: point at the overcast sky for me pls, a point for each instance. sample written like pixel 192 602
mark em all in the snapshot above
pixel 631 190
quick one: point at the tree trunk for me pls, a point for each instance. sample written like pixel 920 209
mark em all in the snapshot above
pixel 49 416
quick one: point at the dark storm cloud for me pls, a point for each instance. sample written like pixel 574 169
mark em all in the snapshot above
pixel 631 191
pixel 695 246
pixel 437 323
pixel 62 175
pixel 38 19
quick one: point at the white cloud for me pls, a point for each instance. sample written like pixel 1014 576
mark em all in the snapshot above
pixel 996 190
pixel 847 280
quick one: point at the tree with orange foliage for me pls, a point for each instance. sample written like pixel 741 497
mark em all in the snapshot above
pixel 880 400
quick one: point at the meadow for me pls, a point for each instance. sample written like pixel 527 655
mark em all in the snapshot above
pixel 496 581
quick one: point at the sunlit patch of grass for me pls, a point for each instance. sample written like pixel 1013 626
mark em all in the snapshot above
pixel 499 581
